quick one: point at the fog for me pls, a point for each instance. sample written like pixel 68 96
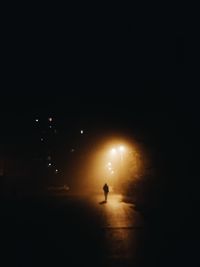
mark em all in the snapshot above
pixel 116 160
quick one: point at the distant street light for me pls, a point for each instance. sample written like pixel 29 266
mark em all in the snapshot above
pixel 113 151
pixel 121 148
pixel 117 158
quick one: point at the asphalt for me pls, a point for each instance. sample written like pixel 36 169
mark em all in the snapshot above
pixel 85 231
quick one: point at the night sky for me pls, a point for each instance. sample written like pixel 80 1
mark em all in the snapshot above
pixel 101 74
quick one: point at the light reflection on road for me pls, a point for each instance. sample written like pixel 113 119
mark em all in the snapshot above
pixel 114 202
pixel 116 213
pixel 122 227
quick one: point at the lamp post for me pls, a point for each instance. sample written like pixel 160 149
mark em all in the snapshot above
pixel 117 155
pixel 121 150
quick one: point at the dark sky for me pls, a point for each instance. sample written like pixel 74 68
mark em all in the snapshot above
pixel 131 72
pixel 118 69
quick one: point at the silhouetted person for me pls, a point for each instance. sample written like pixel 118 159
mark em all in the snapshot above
pixel 106 191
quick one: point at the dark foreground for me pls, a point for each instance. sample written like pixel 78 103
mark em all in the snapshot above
pixel 85 231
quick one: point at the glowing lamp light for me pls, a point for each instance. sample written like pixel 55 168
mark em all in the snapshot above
pixel 121 148
pixel 113 150
pixel 81 131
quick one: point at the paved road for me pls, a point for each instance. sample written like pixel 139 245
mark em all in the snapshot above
pixel 122 226
pixel 84 231
pixel 70 231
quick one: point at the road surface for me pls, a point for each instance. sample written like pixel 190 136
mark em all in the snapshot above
pixel 70 231
pixel 122 227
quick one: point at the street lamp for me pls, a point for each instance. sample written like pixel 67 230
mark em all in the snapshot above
pixel 117 157
pixel 113 151
pixel 121 148
pixel 118 151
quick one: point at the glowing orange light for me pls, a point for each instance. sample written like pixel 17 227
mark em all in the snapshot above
pixel 113 150
pixel 121 148
pixel 114 161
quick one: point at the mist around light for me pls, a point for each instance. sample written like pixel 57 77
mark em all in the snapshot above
pixel 116 161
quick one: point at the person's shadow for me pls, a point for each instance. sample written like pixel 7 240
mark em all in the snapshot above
pixel 103 202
